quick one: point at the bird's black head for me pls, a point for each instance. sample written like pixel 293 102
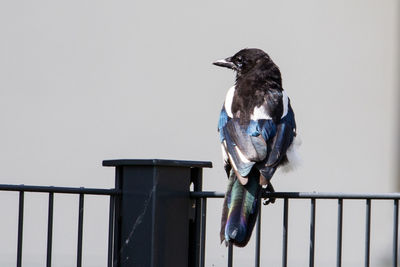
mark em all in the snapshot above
pixel 244 60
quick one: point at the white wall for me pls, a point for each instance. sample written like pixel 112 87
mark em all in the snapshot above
pixel 83 81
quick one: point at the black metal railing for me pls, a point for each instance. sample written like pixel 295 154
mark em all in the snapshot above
pixel 313 197
pixel 51 190
pixel 155 220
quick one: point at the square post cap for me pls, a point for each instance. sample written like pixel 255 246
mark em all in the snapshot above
pixel 157 162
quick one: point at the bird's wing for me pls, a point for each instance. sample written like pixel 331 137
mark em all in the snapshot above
pixel 285 132
pixel 244 145
pixel 239 149
pixel 223 120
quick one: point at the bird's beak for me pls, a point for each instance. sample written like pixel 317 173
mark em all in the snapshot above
pixel 227 63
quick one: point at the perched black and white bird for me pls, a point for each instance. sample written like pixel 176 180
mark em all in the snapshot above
pixel 257 130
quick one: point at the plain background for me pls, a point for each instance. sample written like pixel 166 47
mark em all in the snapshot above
pixel 84 81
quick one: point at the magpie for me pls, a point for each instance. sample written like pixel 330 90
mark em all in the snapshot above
pixel 257 129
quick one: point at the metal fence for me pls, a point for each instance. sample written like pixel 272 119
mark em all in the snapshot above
pixel 155 220
pixel 51 190
pixel 313 197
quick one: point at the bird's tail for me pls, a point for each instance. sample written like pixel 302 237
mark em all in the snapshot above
pixel 240 209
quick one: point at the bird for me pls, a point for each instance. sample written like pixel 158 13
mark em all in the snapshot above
pixel 257 129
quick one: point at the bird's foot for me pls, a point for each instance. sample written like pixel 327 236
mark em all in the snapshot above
pixel 268 189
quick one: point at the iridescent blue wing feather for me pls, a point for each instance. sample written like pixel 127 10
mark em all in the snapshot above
pixel 244 145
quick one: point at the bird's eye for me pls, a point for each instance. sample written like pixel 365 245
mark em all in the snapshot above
pixel 239 61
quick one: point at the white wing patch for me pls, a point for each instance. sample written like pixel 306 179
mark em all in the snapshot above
pixel 285 102
pixel 241 156
pixel 229 100
pixel 224 154
pixel 260 113
pixel 232 162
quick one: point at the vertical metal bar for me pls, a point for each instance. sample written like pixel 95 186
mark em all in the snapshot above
pixel 285 232
pixel 80 231
pixel 197 240
pixel 367 232
pixel 339 233
pixel 117 217
pixel 395 231
pixel 110 232
pixel 258 233
pixel 50 229
pixel 230 254
pixel 203 231
pixel 20 228
pixel 312 233
pixel 195 237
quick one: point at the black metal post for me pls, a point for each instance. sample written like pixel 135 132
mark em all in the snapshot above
pixel 153 211
pixel 203 232
pixel 111 232
pixel 195 224
pixel 117 219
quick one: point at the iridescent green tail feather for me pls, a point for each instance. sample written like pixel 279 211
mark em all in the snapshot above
pixel 240 209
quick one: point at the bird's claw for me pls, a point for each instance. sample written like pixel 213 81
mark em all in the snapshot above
pixel 269 189
pixel 269 200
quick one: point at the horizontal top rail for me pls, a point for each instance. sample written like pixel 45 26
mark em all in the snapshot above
pixel 55 189
pixel 157 162
pixel 316 195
